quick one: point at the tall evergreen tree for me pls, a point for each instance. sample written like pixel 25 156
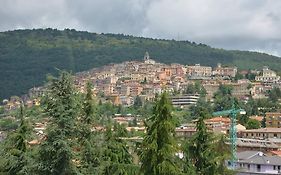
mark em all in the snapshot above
pixel 199 149
pixel 223 98
pixel 15 149
pixel 159 145
pixel 190 89
pixel 222 154
pixel 137 102
pixel 89 153
pixel 56 152
pixel 202 106
pixel 117 159
pixel 204 153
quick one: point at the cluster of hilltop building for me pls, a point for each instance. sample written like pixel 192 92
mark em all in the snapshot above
pixel 122 83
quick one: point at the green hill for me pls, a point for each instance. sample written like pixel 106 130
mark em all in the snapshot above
pixel 26 56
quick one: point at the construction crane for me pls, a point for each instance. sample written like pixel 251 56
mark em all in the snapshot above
pixel 232 134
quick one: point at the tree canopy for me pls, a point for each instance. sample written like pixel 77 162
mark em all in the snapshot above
pixel 159 145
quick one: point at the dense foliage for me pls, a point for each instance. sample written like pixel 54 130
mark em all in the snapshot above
pixel 204 153
pixel 15 159
pixel 26 56
pixel 60 104
pixel 159 146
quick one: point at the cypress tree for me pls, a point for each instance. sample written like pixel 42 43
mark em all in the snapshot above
pixel 159 145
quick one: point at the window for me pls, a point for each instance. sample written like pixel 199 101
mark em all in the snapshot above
pixel 274 167
pixel 258 168
pixel 274 135
pixel 229 163
pixel 248 166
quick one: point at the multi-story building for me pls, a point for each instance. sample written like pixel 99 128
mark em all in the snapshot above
pixel 218 124
pixel 111 80
pixel 198 71
pixel 211 88
pixel 240 89
pixel 273 119
pixel 185 100
pixel 262 133
pixel 268 76
pixel 125 90
pixel 225 71
pixel 107 89
pixel 258 90
pixel 135 89
pixel 185 131
pixel 177 69
pixel 245 144
pixel 131 89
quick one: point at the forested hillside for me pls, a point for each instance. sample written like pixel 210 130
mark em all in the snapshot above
pixel 26 56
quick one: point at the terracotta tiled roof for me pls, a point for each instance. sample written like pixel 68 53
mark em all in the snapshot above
pixel 218 119
pixel 258 118
pixel 278 153
pixel 34 142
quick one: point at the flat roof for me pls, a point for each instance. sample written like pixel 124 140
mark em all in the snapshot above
pixel 264 130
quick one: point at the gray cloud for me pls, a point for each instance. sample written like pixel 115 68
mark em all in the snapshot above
pixel 240 24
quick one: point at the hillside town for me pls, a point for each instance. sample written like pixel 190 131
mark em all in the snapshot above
pixel 122 83
pixel 258 150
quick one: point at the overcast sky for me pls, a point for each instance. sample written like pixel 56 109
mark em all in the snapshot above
pixel 231 24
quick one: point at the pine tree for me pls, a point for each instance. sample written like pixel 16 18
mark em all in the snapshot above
pixel 89 153
pixel 137 102
pixel 199 150
pixel 205 153
pixel 223 153
pixel 223 99
pixel 159 145
pixel 202 106
pixel 117 159
pixel 88 107
pixel 56 152
pixel 15 147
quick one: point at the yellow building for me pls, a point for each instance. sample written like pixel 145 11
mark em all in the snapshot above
pixel 273 119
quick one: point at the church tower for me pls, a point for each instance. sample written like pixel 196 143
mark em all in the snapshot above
pixel 146 56
pixel 147 59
